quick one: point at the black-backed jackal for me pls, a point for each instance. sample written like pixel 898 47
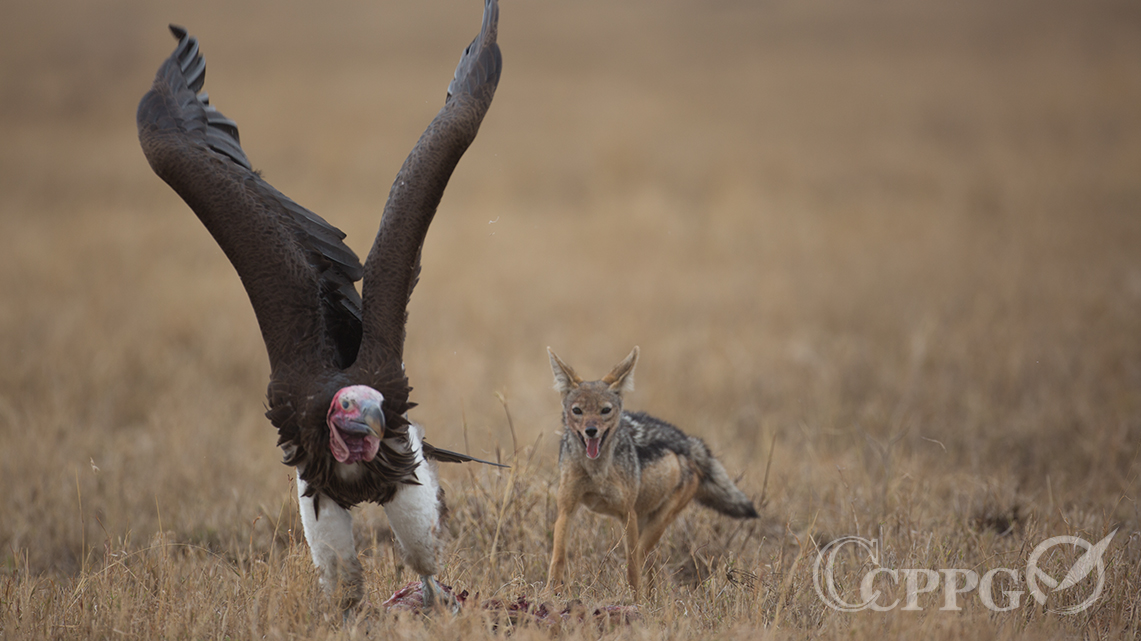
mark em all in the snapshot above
pixel 631 466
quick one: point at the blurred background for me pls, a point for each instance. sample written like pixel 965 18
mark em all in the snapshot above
pixel 897 241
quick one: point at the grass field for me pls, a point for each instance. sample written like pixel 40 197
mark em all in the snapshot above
pixel 894 246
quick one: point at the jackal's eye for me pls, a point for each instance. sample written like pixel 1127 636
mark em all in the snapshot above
pixel 577 411
pixel 606 410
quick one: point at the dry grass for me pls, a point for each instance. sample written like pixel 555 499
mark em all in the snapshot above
pixel 900 240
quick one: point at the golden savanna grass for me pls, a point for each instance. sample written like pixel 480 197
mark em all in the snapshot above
pixel 894 246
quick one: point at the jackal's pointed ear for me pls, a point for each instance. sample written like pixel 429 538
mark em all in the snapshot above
pixel 621 378
pixel 565 378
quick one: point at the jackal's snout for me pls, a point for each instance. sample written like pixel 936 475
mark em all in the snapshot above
pixel 593 432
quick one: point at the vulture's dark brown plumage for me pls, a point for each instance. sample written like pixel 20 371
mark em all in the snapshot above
pixel 321 335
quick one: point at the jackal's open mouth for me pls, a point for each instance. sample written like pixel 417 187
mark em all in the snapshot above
pixel 593 445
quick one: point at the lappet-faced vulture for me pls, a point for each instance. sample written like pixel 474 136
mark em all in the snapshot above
pixel 337 394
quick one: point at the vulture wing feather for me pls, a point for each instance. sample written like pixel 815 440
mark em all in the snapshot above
pixel 393 264
pixel 448 456
pixel 296 269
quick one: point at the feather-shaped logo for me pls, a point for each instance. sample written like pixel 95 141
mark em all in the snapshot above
pixel 1082 568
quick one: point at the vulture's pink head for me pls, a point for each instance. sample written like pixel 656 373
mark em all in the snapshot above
pixel 356 423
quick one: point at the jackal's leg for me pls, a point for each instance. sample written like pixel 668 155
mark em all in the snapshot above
pixel 652 532
pixel 329 532
pixel 568 504
pixel 655 524
pixel 634 554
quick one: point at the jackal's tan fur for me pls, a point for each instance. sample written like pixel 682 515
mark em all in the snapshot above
pixel 631 466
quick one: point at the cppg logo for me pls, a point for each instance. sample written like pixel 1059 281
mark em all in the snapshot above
pixel 958 581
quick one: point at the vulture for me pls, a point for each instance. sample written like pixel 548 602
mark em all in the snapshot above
pixel 337 394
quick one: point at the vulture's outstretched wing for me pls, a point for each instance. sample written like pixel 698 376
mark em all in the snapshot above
pixel 393 264
pixel 296 270
pixel 447 456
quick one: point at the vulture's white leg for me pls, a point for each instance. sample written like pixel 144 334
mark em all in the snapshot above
pixel 414 513
pixel 329 532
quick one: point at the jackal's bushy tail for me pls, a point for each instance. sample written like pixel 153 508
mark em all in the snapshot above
pixel 717 490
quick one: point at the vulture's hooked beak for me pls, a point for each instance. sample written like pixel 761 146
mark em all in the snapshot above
pixel 370 423
pixel 373 418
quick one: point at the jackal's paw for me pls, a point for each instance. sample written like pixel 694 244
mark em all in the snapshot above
pixel 551 590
